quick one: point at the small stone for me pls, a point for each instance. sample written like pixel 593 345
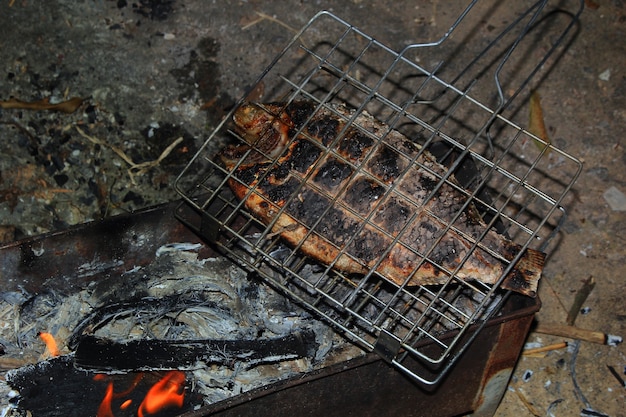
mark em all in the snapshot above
pixel 605 75
pixel 615 198
pixel 61 179
pixel 527 374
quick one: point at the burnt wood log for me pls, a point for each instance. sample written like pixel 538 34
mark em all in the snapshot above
pixel 55 388
pixel 104 355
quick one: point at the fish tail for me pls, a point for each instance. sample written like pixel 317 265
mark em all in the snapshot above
pixel 524 278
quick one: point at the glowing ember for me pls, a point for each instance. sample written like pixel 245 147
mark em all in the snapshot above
pixel 51 344
pixel 167 392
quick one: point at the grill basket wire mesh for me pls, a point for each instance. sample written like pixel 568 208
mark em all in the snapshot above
pixel 453 99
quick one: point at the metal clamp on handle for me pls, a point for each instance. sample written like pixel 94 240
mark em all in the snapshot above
pixel 387 346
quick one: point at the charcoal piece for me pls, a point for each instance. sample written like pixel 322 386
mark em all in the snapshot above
pixel 55 388
pixel 39 384
pixel 104 355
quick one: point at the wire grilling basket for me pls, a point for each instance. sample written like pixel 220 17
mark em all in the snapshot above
pixel 450 97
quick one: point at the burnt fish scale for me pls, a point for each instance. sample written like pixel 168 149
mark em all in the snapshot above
pixel 346 200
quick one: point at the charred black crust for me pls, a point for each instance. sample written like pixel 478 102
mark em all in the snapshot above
pixel 509 250
pixel 303 155
pixel 299 112
pixel 279 173
pixel 334 225
pixel 369 246
pixel 325 129
pixel 429 227
pixel 248 175
pixel 355 144
pixel 413 149
pixel 332 173
pixel 394 215
pixel 518 280
pixel 446 253
pixel 472 217
pixel 385 164
pixel 308 205
pixel 428 183
pixel 281 192
pixel 430 241
pixel 363 194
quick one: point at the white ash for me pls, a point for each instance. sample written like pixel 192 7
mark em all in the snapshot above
pixel 247 309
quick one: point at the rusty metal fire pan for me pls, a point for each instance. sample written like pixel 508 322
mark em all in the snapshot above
pixel 366 385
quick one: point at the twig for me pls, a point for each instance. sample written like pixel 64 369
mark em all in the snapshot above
pixel 617 376
pixel 145 166
pixel 531 408
pixel 556 346
pixel 135 169
pixel 263 16
pixel 572 332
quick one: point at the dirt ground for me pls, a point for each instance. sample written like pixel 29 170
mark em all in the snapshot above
pixel 155 73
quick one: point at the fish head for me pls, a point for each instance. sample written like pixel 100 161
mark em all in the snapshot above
pixel 252 121
pixel 264 127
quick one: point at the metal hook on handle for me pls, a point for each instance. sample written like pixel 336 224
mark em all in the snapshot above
pixel 539 6
pixel 447 34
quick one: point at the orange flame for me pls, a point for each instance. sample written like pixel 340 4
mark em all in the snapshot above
pixel 51 344
pixel 167 392
pixel 105 406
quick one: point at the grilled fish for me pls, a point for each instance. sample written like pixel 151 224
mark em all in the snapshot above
pixel 354 194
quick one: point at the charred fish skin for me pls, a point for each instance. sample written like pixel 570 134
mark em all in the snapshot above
pixel 364 197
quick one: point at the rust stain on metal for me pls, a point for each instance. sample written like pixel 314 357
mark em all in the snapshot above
pixel 71 258
pixel 501 361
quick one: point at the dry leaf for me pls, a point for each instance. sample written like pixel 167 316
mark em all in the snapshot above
pixel 536 125
pixel 68 106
